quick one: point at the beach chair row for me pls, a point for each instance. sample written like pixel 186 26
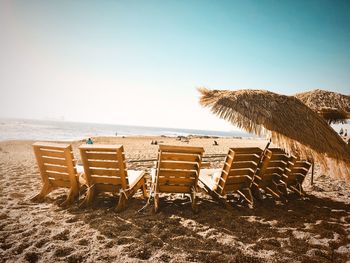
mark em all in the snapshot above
pixel 247 171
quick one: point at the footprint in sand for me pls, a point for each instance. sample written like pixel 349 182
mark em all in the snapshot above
pixel 64 235
pixel 63 251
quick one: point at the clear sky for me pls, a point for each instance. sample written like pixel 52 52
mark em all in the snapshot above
pixel 139 62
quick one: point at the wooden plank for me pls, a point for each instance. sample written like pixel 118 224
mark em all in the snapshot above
pixel 299 170
pixel 57 161
pixel 58 154
pixel 105 180
pixel 56 168
pixel 122 168
pixel 86 166
pixel 236 187
pixel 103 164
pixel 177 173
pixel 304 164
pixel 277 170
pixel 246 157
pixel 237 172
pixel 278 163
pixel 181 149
pixel 174 189
pixel 246 165
pixel 51 145
pixel 279 157
pixel 180 157
pixel 60 183
pixel 178 165
pixel 247 150
pixel 104 172
pixel 176 181
pixel 107 188
pixel 277 151
pixel 101 156
pixel 238 179
pixel 100 147
pixel 57 176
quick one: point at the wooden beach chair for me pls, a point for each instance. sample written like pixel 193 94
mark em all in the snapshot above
pixel 57 169
pixel 176 171
pixel 236 175
pixel 295 175
pixel 105 171
pixel 270 174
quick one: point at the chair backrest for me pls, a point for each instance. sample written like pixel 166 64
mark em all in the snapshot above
pixel 298 170
pixel 240 165
pixel 56 163
pixel 275 161
pixel 178 168
pixel 104 166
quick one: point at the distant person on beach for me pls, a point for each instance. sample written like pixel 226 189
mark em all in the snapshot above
pixel 89 141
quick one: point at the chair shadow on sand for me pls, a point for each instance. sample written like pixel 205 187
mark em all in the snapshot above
pixel 310 230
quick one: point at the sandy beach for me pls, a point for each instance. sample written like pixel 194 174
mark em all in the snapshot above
pixel 313 229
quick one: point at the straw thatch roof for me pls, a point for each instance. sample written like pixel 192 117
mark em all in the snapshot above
pixel 286 120
pixel 332 106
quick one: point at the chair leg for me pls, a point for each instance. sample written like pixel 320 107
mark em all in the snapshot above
pixel 144 189
pixel 121 202
pixel 46 189
pixel 256 192
pixel 156 202
pixel 90 195
pixel 282 188
pixel 247 195
pixel 73 193
pixel 220 200
pixel 194 201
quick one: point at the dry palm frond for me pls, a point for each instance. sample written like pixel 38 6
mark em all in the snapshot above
pixel 332 106
pixel 290 124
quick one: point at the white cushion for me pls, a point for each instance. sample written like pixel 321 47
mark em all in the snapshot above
pixel 210 177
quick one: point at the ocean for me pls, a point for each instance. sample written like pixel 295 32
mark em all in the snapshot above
pixel 20 129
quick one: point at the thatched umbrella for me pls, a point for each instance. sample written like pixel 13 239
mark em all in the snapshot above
pixel 332 106
pixel 286 120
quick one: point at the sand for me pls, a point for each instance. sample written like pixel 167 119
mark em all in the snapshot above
pixel 313 229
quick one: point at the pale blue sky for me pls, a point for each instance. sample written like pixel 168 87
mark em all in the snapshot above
pixel 139 62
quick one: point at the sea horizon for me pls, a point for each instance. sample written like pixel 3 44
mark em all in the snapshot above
pixel 62 130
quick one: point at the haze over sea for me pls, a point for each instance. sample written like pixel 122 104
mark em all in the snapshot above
pixel 24 129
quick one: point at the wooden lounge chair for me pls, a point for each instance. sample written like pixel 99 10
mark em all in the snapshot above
pixel 177 172
pixel 270 174
pixel 105 171
pixel 295 175
pixel 57 169
pixel 235 176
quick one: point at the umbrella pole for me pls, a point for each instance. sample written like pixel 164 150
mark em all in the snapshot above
pixel 312 172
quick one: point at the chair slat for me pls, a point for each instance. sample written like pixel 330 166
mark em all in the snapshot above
pixel 177 173
pixel 178 165
pixel 180 157
pixel 106 180
pixel 103 164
